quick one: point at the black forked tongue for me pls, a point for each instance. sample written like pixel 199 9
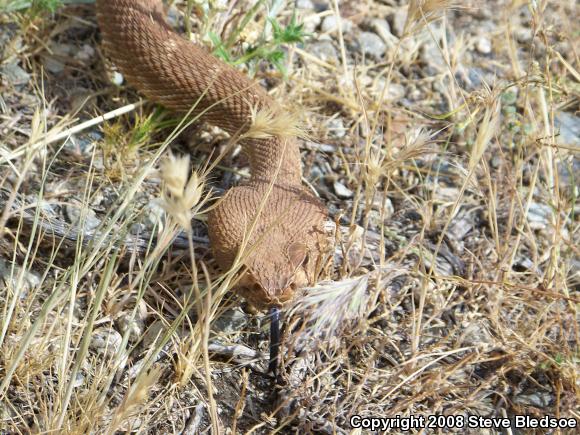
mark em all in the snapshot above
pixel 274 340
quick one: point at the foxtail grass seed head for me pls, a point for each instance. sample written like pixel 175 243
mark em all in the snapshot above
pixel 175 171
pixel 423 12
pixel 182 192
pixel 269 122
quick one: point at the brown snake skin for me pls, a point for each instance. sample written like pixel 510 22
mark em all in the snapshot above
pixel 284 243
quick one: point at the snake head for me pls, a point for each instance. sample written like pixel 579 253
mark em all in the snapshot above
pixel 277 232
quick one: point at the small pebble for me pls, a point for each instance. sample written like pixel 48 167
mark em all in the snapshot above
pixel 135 326
pixel 305 4
pixel 524 35
pixel 10 277
pixel 568 126
pixel 539 216
pixel 383 29
pixel 336 128
pixel 496 161
pixel 431 56
pixel 82 144
pixel 106 342
pixel 394 92
pixel 330 24
pixel 231 321
pixel 372 45
pixel 154 214
pixel 53 65
pixel 324 50
pixel 342 191
pixel 116 78
pixel 483 45
pixel 14 74
pixel 86 53
pixel 398 20
pixel 77 213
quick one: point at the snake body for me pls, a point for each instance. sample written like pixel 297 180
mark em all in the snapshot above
pixel 273 218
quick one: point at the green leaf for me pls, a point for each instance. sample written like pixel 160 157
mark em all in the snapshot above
pixel 219 48
pixel 277 58
pixel 292 33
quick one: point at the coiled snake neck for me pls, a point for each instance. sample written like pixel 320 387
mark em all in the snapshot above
pixel 285 218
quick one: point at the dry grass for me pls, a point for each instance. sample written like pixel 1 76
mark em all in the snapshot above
pixel 453 285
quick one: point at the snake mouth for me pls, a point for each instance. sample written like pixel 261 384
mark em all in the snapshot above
pixel 262 294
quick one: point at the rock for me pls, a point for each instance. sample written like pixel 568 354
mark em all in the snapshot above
pixel 383 29
pixel 394 92
pixel 305 4
pixel 234 352
pixel 134 325
pixel 325 51
pixel 431 56
pixel 524 264
pixel 524 35
pixel 330 24
pixel 342 191
pixel 9 277
pixel 472 78
pixel 568 172
pixel 398 20
pixel 153 334
pixel 476 334
pixel 510 96
pixel 574 273
pixel 311 22
pixel 82 144
pixel 569 126
pixel 446 193
pixel 538 399
pixel 154 214
pixel 79 380
pixel 496 161
pixel 106 342
pixel 80 214
pixel 372 45
pixel 173 16
pixel 52 60
pixel 59 49
pixel 13 74
pixel 229 322
pixel 137 229
pixel 336 128
pixel 460 228
pixel 117 78
pixel 539 216
pixel 86 53
pixel 321 5
pixel 483 45
pixel 388 205
pixel 53 65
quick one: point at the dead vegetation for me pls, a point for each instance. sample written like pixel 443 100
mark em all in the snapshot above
pixel 449 164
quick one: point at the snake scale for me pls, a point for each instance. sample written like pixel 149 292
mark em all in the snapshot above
pixel 273 217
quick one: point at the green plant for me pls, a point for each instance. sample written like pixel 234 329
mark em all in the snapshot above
pixel 269 47
pixel 34 6
pixel 37 6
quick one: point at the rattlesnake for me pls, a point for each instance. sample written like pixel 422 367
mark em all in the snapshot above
pixel 273 217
